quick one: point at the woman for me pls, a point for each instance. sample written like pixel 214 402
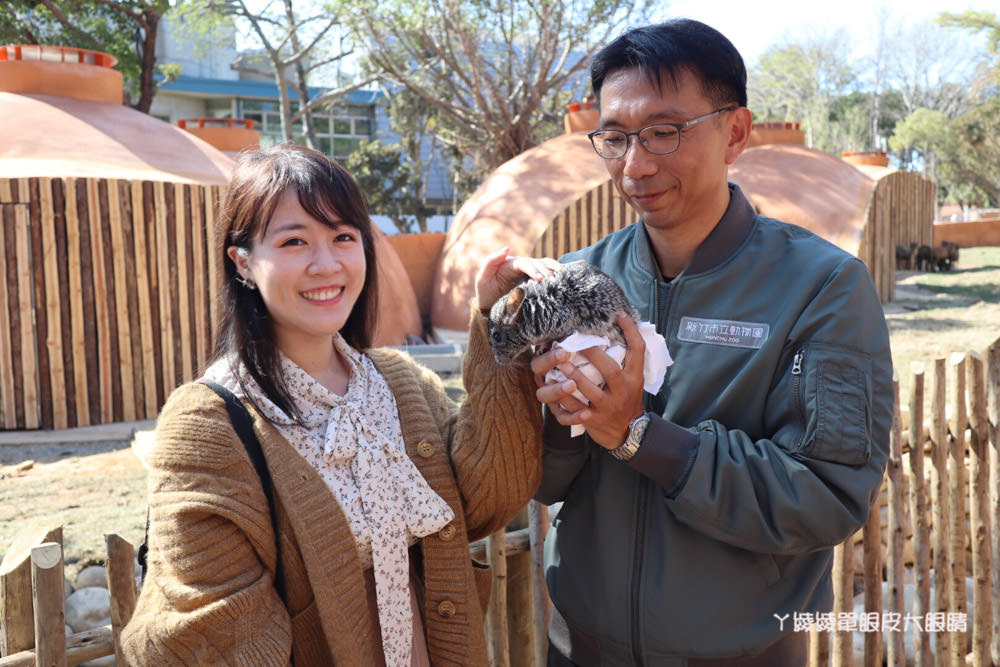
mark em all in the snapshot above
pixel 379 480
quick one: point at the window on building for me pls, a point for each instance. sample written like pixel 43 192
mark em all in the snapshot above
pixel 340 128
pixel 219 108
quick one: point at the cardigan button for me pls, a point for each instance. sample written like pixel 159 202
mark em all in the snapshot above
pixel 425 449
pixel 446 609
pixel 448 532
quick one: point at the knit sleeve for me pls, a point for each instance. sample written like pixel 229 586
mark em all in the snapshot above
pixel 208 596
pixel 496 438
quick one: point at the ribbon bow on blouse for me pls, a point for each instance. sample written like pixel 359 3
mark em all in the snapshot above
pixel 397 501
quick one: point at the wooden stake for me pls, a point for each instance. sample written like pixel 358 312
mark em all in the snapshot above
pixel 872 549
pixel 122 321
pixel 17 629
pixel 182 227
pixel 957 492
pixel 143 292
pixel 538 525
pixel 26 307
pixel 895 566
pixel 842 641
pixel 101 306
pixel 993 396
pixel 50 610
pixel 921 529
pixel 496 614
pixel 78 334
pixel 54 294
pixel 8 411
pixel 939 507
pixel 213 196
pixel 200 285
pixel 979 512
pixel 121 585
pixel 162 258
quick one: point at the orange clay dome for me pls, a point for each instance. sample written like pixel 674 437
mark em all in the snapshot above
pixel 398 313
pixel 61 115
pixel 806 187
pixel 512 207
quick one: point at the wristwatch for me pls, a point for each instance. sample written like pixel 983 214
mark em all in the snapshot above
pixel 626 450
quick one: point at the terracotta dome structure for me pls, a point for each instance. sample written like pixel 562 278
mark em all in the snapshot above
pixel 806 187
pixel 398 315
pixel 512 207
pixel 857 202
pixel 107 258
pixel 558 197
pixel 519 202
pixel 61 115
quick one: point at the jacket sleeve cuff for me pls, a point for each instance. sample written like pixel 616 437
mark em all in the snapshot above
pixel 667 454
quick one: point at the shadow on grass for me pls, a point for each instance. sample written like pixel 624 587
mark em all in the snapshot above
pixel 50 453
pixel 987 292
pixel 926 324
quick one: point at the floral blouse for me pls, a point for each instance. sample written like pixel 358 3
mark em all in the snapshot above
pixel 355 443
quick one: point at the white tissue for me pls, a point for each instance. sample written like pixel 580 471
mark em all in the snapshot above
pixel 654 367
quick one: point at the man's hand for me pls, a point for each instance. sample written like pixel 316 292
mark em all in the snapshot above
pixel 612 407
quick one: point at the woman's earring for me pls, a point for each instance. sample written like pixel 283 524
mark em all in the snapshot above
pixel 246 282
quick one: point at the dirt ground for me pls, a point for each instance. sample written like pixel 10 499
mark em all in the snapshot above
pixel 90 488
pixel 72 458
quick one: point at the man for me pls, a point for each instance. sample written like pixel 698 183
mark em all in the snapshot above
pixel 697 522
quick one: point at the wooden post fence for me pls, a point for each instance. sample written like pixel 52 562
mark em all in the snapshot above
pixel 944 468
pixel 34 621
pixel 105 285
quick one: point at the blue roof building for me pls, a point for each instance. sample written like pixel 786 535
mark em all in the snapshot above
pixel 209 87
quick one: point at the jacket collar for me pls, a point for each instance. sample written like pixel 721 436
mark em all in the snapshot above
pixel 723 241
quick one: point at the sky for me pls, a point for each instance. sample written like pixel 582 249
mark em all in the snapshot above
pixel 755 26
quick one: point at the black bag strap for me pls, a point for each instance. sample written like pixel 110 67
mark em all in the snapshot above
pixel 243 425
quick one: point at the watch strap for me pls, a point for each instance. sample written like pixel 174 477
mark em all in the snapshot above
pixel 629 448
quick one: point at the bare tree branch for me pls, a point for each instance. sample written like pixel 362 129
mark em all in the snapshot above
pixel 500 71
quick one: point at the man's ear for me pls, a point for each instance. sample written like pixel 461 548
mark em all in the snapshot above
pixel 741 122
pixel 512 308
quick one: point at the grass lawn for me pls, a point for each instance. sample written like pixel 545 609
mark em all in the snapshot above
pixel 936 315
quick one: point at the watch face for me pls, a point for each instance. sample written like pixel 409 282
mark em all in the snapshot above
pixel 638 429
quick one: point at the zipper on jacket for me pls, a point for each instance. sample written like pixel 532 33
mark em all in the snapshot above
pixel 800 411
pixel 640 539
pixel 643 501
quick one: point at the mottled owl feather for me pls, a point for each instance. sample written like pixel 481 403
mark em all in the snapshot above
pixel 577 298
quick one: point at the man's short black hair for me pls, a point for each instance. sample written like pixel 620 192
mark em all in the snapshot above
pixel 667 48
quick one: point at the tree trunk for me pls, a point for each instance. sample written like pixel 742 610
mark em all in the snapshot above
pixel 147 86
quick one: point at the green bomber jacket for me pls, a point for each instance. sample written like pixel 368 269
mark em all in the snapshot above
pixel 766 448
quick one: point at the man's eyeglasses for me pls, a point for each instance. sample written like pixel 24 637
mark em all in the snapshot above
pixel 658 139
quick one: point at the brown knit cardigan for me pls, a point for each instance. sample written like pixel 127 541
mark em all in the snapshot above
pixel 209 597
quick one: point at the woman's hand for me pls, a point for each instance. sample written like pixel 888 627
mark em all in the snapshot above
pixel 500 273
